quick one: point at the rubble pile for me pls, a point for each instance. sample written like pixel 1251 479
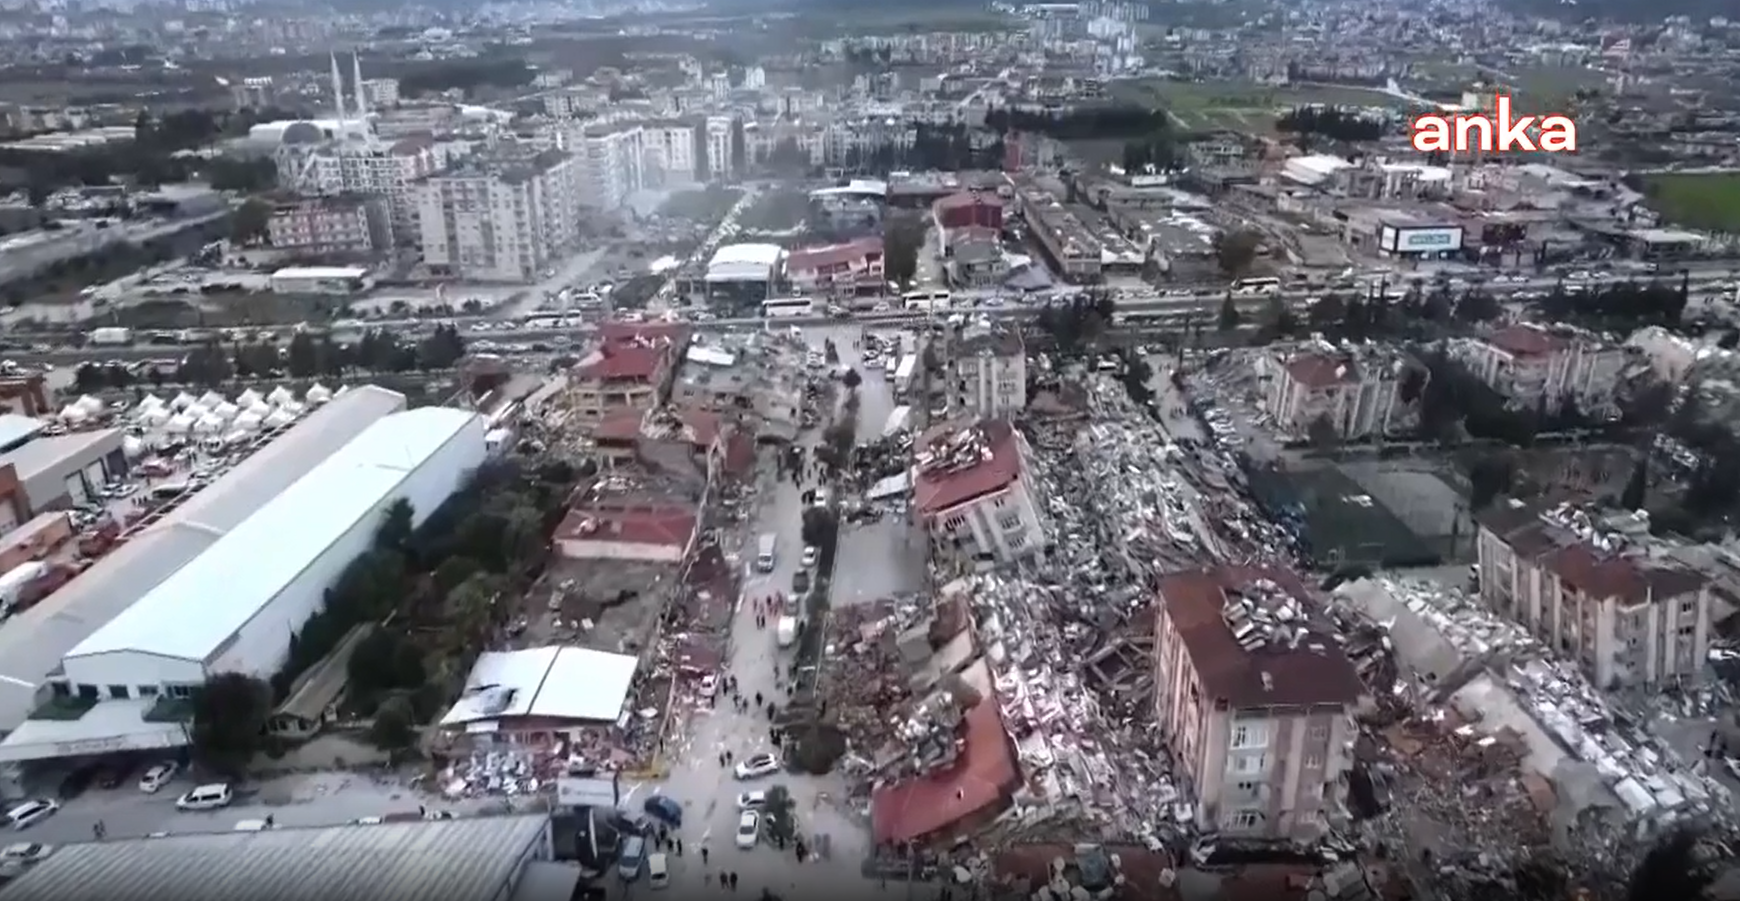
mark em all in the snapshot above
pixel 866 674
pixel 1600 783
pixel 1081 764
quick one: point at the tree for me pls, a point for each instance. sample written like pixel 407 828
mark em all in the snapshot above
pixel 395 530
pixel 852 380
pixel 1632 498
pixel 1488 478
pixel 1235 251
pixel 229 721
pixel 779 815
pixel 1322 433
pixel 303 360
pixel 249 223
pixel 384 661
pixel 902 241
pixel 1229 314
pixel 837 442
pixel 453 572
pixel 1670 871
pixel 395 725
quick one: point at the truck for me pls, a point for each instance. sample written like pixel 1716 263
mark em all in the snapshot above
pixel 764 552
pixel 786 631
pixel 903 375
pixel 110 336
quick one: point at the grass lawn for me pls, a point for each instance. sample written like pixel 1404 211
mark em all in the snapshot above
pixel 1240 106
pixel 1702 200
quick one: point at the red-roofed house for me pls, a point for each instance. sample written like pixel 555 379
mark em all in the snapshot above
pixel 631 368
pixel 651 533
pixel 952 802
pixel 1629 616
pixel 1357 397
pixel 842 267
pixel 971 490
pixel 1254 698
pixel 1533 365
pixel 968 208
pixel 624 434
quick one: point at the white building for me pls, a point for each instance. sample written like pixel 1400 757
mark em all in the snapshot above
pixel 34 642
pixel 612 161
pixel 719 147
pixel 972 492
pixel 1356 392
pixel 362 165
pixel 1533 366
pixel 501 219
pixel 669 149
pixel 380 92
pixel 988 377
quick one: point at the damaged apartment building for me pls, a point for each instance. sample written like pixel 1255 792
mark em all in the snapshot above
pixel 987 371
pixel 1545 367
pixel 1597 588
pixel 973 493
pixel 1355 389
pixel 757 377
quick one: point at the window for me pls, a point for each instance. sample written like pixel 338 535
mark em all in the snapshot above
pixel 1248 763
pixel 180 691
pixel 118 692
pixel 1319 733
pixel 89 692
pixel 147 691
pixel 1246 819
pixel 60 689
pixel 1313 761
pixel 1249 735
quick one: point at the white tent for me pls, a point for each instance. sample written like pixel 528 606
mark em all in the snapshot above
pixel 153 418
pixel 182 401
pixel 91 405
pixel 279 418
pixel 293 408
pixel 248 398
pixel 73 413
pixel 225 411
pixel 180 425
pixel 210 399
pixel 258 410
pixel 197 411
pixel 317 394
pixel 209 425
pixel 132 447
pixel 248 422
pixel 236 436
pixel 149 402
pixel 281 395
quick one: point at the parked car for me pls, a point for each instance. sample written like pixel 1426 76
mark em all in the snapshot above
pixel 754 800
pixel 30 813
pixel 758 766
pixel 748 829
pixel 26 852
pixel 157 777
pixel 665 809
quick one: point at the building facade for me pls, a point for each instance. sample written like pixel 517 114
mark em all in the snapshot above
pixel 500 219
pixel 973 493
pixel 1358 396
pixel 331 225
pixel 988 373
pixel 1535 367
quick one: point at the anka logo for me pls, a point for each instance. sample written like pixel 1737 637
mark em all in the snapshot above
pixel 1500 133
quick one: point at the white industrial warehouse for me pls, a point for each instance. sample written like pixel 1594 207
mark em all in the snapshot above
pixel 503 858
pixel 222 586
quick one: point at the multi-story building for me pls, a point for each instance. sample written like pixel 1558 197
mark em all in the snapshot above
pixel 630 369
pixel 1073 248
pixel 758 382
pixel 1254 700
pixel 612 158
pixel 331 225
pixel 1596 588
pixel 380 93
pixel 361 167
pixel 973 493
pixel 1356 391
pixel 669 148
pixel 967 210
pixel 1547 366
pixel 718 146
pixel 501 217
pixel 988 372
pixel 836 268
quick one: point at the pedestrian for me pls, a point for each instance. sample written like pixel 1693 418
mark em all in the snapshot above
pixel 727 758
pixel 800 852
pixel 734 881
pixel 721 758
pixel 703 855
pixel 679 847
pixel 758 699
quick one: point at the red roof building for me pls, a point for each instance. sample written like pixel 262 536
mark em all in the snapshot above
pixel 1254 698
pixel 631 368
pixel 942 804
pixel 1357 394
pixel 650 533
pixel 846 266
pixel 971 489
pixel 967 209
pixel 627 435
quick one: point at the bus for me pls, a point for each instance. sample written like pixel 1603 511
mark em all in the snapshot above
pixel 926 300
pixel 787 307
pixel 1257 286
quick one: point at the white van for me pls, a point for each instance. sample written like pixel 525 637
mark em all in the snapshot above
pixel 764 552
pixel 658 871
pixel 206 797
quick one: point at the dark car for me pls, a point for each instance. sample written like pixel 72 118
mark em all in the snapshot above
pixel 800 582
pixel 630 824
pixel 664 809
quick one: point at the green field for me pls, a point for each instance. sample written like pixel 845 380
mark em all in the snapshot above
pixel 1240 106
pixel 1698 200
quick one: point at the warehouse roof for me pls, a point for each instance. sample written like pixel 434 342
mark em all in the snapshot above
pixel 33 642
pixel 44 454
pixel 204 603
pixel 553 682
pixel 473 857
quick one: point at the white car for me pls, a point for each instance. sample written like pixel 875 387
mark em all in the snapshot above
pixel 709 685
pixel 748 829
pixel 754 800
pixel 758 766
pixel 30 813
pixel 811 554
pixel 25 852
pixel 157 777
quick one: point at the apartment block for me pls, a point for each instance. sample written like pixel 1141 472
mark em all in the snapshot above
pixel 718 146
pixel 630 369
pixel 973 492
pixel 1254 700
pixel 369 166
pixel 1535 366
pixel 669 148
pixel 500 217
pixel 988 372
pixel 331 225
pixel 379 93
pixel 612 159
pixel 1355 390
pixel 1595 587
